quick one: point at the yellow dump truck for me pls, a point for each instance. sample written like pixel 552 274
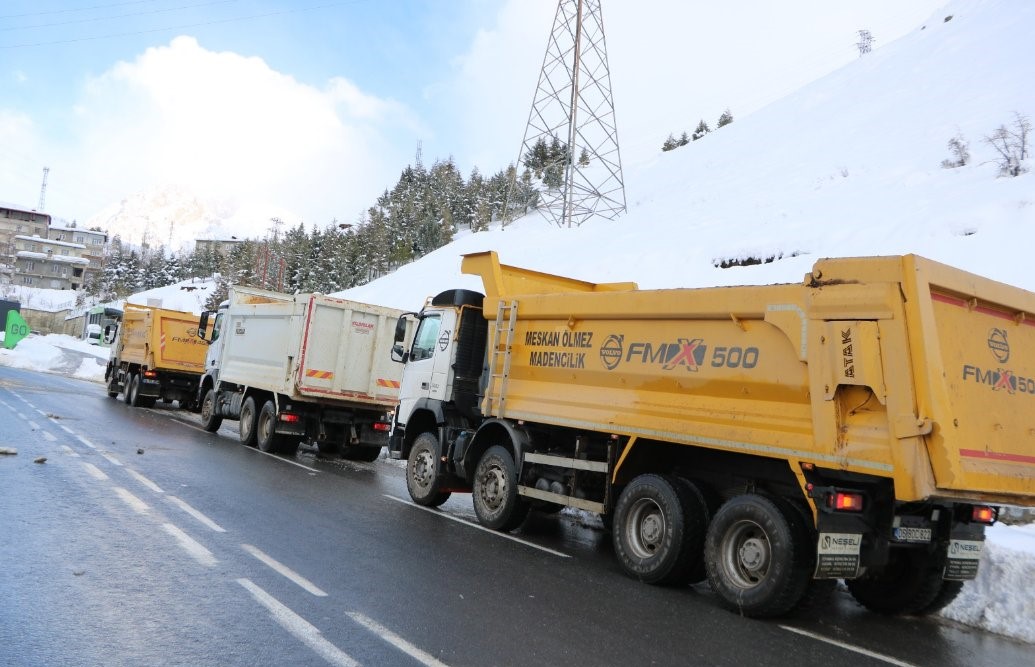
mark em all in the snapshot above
pixel 863 425
pixel 155 355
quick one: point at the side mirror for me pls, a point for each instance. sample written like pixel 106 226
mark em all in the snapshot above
pixel 400 329
pixel 399 354
pixel 203 325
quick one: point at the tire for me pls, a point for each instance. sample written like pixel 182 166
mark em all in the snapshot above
pixel 113 387
pixel 495 494
pixel 699 507
pixel 910 583
pixel 658 530
pixel 758 557
pixel 248 421
pixel 266 437
pixel 946 594
pixel 422 478
pixel 360 453
pixel 133 394
pixel 210 421
pixel 127 390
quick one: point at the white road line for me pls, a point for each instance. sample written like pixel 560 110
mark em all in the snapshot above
pixel 299 627
pixel 45 414
pixel 23 416
pixel 191 546
pixel 33 424
pixel 395 640
pixel 848 647
pixel 68 450
pixel 204 520
pixel 48 436
pixel 86 442
pixel 66 429
pixel 138 505
pixel 284 570
pixel 294 463
pixel 145 481
pixel 474 525
pixel 111 459
pixel 94 471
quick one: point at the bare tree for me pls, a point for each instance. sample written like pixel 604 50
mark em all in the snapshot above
pixel 865 43
pixel 1012 145
pixel 960 150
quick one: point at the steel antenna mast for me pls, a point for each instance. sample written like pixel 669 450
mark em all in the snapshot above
pixel 570 144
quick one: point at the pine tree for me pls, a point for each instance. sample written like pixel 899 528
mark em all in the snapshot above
pixel 725 119
pixel 669 144
pixel 702 129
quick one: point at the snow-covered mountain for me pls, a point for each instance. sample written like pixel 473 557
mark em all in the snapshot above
pixel 849 165
pixel 174 216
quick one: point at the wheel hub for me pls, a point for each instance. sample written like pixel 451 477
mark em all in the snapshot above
pixel 753 555
pixel 494 488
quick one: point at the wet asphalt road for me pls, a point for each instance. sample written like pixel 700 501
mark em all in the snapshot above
pixel 199 551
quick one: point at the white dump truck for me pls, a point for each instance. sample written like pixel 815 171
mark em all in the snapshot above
pixel 300 367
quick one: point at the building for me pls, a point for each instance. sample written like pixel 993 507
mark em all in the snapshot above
pixel 95 241
pixel 15 221
pixel 220 247
pixel 41 262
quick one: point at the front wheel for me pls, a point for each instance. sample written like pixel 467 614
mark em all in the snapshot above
pixel 210 419
pixel 495 494
pixel 422 478
pixel 757 556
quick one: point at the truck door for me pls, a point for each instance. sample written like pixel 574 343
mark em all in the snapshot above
pixel 427 369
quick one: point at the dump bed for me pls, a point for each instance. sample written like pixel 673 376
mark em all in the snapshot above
pixel 313 347
pixel 161 339
pixel 895 367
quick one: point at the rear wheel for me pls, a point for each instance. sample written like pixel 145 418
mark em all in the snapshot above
pixel 422 478
pixel 249 417
pixel 267 438
pixel 210 421
pixel 127 395
pixel 496 500
pixel 134 391
pixel 757 556
pixel 658 530
pixel 910 583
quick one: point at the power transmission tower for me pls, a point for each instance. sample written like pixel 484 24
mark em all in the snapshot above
pixel 571 140
pixel 43 190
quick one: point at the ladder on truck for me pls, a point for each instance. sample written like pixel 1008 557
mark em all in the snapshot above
pixel 499 357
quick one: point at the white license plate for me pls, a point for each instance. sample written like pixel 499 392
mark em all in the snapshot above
pixel 909 534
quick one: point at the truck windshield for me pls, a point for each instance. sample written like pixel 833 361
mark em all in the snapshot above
pixel 426 338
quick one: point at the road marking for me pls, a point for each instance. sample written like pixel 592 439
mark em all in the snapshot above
pixel 86 442
pixel 299 627
pixel 66 429
pixel 48 436
pixel 848 647
pixel 395 640
pixel 145 481
pixel 284 570
pixel 68 450
pixel 137 504
pixel 274 456
pixel 34 425
pixel 191 546
pixel 474 525
pixel 207 522
pixel 94 471
pixel 111 459
pixel 23 416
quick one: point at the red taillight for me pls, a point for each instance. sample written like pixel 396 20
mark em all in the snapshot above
pixel 150 374
pixel 382 426
pixel 982 514
pixel 842 501
pixel 290 418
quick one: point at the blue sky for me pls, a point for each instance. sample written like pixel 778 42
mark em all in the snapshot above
pixel 316 105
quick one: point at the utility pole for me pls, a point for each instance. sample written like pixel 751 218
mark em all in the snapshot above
pixel 571 125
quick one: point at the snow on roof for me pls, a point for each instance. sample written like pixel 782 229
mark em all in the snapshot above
pixel 65 244
pixel 67 259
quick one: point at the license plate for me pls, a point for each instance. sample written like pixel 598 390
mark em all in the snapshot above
pixel 910 534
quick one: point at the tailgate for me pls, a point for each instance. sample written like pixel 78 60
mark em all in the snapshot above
pixel 980 358
pixel 178 347
pixel 346 352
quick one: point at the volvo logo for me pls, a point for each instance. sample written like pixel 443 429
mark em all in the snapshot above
pixel 611 352
pixel 999 346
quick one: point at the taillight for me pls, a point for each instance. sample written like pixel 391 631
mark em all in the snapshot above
pixel 382 426
pixel 983 514
pixel 843 501
pixel 290 418
pixel 150 374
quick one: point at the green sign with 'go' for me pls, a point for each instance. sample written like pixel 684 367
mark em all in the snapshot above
pixel 15 330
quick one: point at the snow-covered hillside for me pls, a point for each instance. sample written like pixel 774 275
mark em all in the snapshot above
pixel 849 165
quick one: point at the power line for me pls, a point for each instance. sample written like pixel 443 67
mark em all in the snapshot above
pixel 95 19
pixel 76 9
